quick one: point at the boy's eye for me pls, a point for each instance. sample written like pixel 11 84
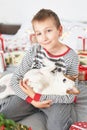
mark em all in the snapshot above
pixel 49 30
pixel 38 34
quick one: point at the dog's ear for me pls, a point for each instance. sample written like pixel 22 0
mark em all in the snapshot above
pixel 73 90
pixel 73 78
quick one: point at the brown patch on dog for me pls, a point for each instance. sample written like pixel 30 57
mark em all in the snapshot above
pixel 73 90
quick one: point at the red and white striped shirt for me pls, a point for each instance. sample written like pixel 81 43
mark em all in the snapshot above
pixel 68 62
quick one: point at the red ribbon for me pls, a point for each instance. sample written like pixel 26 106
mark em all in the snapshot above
pixel 4 65
pixel 82 68
pixel 2 43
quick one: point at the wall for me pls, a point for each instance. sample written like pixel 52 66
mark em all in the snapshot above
pixel 18 11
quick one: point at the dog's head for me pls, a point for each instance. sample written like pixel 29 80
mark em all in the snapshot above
pixel 68 82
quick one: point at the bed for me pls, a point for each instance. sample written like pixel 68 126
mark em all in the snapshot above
pixel 10 32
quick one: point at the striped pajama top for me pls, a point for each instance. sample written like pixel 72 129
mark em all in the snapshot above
pixel 68 61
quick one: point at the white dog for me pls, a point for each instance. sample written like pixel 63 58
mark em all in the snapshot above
pixel 43 81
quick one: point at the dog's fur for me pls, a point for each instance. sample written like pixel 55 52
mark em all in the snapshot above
pixel 43 81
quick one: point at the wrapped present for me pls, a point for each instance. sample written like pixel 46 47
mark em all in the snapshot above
pixel 82 43
pixel 83 58
pixel 79 126
pixel 1 43
pixel 14 57
pixel 82 73
pixel 82 65
pixel 2 62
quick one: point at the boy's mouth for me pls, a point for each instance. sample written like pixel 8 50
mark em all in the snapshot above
pixel 46 43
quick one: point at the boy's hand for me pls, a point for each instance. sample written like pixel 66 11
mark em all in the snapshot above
pixel 29 91
pixel 26 89
pixel 43 104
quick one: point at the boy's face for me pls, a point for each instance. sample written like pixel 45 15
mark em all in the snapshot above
pixel 47 33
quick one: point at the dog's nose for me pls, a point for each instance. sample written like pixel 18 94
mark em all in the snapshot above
pixel 64 80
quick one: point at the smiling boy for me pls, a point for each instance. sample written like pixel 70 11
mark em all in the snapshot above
pixel 57 109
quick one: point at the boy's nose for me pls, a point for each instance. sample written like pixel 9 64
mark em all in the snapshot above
pixel 44 37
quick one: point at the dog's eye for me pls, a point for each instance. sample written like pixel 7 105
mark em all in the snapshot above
pixel 64 80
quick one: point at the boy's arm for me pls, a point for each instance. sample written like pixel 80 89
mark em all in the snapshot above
pixel 19 73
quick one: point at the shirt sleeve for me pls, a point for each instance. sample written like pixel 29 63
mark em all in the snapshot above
pixel 24 66
pixel 72 70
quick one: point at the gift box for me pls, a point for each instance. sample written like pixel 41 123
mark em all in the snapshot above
pixel 1 43
pixel 2 62
pixel 14 58
pixel 82 73
pixel 82 65
pixel 82 43
pixel 79 126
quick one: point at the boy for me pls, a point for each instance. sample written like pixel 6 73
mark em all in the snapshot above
pixel 48 30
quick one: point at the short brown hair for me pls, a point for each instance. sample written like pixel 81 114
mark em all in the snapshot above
pixel 45 14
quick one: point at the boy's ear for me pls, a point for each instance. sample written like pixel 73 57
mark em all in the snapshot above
pixel 60 29
pixel 33 38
